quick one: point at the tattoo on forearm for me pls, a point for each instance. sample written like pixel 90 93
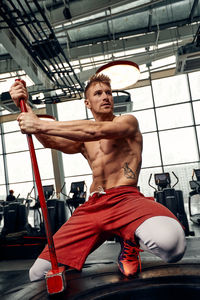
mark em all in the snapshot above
pixel 128 172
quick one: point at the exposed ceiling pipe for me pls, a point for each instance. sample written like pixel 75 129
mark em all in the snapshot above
pixel 133 32
pixel 46 50
pixel 20 18
pixel 113 16
pixel 52 32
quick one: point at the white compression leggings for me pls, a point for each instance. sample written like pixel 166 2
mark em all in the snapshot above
pixel 162 236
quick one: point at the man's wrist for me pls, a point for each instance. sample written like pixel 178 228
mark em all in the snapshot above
pixel 41 127
pixel 44 123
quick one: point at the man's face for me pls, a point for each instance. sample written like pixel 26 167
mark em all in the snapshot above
pixel 99 98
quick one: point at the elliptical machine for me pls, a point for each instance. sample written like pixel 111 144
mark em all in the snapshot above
pixel 166 195
pixel 77 195
pixel 195 187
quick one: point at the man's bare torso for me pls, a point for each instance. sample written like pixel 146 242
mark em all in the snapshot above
pixel 114 162
pixel 112 145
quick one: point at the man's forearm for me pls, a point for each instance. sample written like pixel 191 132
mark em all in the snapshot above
pixel 60 143
pixel 82 130
pixel 78 131
pixel 46 140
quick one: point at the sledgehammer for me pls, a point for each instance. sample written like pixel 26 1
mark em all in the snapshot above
pixel 55 278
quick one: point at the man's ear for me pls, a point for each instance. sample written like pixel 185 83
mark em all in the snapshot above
pixel 87 103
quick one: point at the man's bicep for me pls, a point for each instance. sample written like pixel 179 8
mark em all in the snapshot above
pixel 68 146
pixel 59 143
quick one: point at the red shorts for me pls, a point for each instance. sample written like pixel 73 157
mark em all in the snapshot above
pixel 119 212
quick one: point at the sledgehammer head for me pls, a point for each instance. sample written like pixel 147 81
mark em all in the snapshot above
pixel 55 281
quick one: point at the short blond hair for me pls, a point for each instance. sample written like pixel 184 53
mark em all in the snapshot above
pixel 97 78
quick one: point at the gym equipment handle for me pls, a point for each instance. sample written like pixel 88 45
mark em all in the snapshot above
pixel 42 200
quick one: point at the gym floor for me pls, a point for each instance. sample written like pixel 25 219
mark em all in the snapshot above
pixel 14 273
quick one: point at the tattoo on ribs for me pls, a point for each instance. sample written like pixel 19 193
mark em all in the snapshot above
pixel 128 172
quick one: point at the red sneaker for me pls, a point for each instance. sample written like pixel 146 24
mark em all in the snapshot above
pixel 129 258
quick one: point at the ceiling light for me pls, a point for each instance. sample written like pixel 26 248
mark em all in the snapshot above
pixel 123 74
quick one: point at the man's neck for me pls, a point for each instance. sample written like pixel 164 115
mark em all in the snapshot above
pixel 103 117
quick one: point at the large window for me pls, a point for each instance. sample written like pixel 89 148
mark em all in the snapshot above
pixel 174 116
pixel 0 145
pixel 146 119
pixel 194 85
pixel 10 126
pixel 142 97
pixel 168 114
pixel 2 173
pixel 151 153
pixel 17 159
pixel 75 164
pixel 178 146
pixel 76 167
pixel 198 134
pixel 170 90
pixel 19 167
pixel 15 142
pixel 45 165
pixel 196 106
pixel 72 110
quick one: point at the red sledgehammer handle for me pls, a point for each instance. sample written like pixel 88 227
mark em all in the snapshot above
pixel 43 205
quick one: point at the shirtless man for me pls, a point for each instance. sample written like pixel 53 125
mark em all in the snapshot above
pixel 113 147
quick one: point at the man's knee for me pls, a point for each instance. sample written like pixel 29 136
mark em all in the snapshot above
pixel 164 237
pixel 171 245
pixel 33 274
pixel 39 269
pixel 175 248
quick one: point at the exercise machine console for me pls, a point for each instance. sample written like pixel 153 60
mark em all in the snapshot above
pixel 195 187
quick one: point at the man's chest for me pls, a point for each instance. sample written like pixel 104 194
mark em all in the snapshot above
pixel 102 148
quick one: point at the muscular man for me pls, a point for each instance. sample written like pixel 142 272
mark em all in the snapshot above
pixel 112 146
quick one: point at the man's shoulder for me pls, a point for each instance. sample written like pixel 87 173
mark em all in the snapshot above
pixel 125 118
pixel 129 121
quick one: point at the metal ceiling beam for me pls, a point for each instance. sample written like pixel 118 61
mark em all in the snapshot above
pixel 23 59
pixel 39 33
pixel 146 57
pixel 143 58
pixel 124 34
pixel 171 31
pixel 61 75
pixel 13 117
pixel 184 33
pixel 123 12
pixel 194 6
pixel 168 35
pixel 8 64
pixel 82 9
pixel 150 21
